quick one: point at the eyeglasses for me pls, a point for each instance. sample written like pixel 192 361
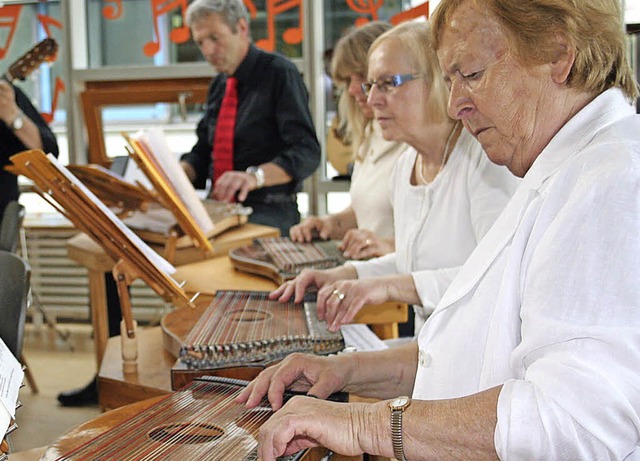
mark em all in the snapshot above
pixel 387 83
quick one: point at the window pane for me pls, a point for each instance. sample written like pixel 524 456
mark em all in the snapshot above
pixel 135 35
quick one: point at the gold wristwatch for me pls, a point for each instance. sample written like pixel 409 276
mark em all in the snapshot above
pixel 398 405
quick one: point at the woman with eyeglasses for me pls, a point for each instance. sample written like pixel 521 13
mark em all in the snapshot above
pixel 446 193
pixel 366 226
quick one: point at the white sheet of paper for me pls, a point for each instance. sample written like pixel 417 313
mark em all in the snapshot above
pixel 11 376
pixel 5 420
pixel 361 338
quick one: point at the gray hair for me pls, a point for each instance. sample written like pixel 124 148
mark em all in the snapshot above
pixel 231 11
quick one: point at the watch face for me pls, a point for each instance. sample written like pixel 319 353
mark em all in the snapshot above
pixel 17 123
pixel 399 402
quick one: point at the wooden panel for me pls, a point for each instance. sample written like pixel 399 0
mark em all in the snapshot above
pixel 98 94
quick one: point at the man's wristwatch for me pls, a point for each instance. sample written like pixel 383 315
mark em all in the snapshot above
pixel 398 406
pixel 258 173
pixel 18 122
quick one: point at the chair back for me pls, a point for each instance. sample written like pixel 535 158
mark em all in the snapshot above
pixel 14 290
pixel 10 226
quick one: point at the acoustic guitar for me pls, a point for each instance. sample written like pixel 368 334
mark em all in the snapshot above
pixel 45 51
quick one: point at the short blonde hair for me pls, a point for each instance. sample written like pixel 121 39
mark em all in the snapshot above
pixel 350 57
pixel 593 27
pixel 415 39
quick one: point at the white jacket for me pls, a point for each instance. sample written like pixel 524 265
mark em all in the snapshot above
pixel 548 305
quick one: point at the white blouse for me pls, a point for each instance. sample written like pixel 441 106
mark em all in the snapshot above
pixel 438 225
pixel 370 182
pixel 548 305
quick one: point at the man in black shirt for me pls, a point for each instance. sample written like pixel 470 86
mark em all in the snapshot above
pixel 21 128
pixel 274 144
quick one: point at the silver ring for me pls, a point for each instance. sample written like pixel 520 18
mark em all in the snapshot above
pixel 339 294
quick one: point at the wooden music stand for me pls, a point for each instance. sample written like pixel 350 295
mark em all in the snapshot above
pixel 190 215
pixel 112 189
pixel 135 259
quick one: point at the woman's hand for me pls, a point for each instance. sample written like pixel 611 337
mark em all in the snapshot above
pixel 308 278
pixel 311 227
pixel 315 375
pixel 339 302
pixel 305 423
pixel 364 244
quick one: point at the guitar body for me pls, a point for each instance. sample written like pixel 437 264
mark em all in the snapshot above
pixel 254 259
pixel 201 418
pixel 280 259
pixel 240 334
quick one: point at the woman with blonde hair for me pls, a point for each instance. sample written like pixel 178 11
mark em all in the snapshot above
pixel 445 193
pixel 366 226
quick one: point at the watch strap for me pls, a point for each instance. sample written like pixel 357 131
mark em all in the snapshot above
pixel 396 434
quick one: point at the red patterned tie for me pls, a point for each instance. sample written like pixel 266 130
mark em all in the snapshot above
pixel 223 139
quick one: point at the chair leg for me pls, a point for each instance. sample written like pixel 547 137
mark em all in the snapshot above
pixel 30 378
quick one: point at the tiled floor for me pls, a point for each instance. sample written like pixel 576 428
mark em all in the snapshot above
pixel 57 365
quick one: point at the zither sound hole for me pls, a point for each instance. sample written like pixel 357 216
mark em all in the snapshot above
pixel 186 433
pixel 249 315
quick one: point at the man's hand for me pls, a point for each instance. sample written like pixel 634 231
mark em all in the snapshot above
pixel 234 186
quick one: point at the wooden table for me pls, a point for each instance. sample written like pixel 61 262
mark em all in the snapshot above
pixel 83 250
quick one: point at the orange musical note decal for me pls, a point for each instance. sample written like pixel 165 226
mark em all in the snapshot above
pixel 59 88
pixel 9 18
pixel 253 11
pixel 411 13
pixel 177 35
pixel 293 35
pixel 365 7
pixel 47 21
pixel 112 12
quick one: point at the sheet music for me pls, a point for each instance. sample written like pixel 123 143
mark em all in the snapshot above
pixel 151 255
pixel 362 338
pixel 156 143
pixel 11 376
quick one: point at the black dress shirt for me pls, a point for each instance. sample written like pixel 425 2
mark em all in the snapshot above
pixel 273 124
pixel 10 144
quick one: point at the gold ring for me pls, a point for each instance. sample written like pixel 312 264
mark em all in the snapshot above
pixel 339 294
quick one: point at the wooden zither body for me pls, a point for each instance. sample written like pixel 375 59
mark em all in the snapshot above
pixel 241 333
pixel 200 421
pixel 280 259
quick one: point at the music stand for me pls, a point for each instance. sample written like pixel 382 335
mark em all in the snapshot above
pixel 135 259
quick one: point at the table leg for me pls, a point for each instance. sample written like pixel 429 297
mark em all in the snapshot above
pixel 98 301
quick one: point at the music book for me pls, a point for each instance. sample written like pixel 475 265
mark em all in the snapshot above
pixel 11 376
pixel 113 190
pixel 150 151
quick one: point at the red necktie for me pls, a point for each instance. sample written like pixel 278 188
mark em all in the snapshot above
pixel 223 139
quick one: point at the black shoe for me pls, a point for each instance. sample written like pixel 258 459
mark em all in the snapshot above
pixel 85 396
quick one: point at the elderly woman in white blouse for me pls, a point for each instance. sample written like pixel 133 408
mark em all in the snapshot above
pixel 366 226
pixel 445 193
